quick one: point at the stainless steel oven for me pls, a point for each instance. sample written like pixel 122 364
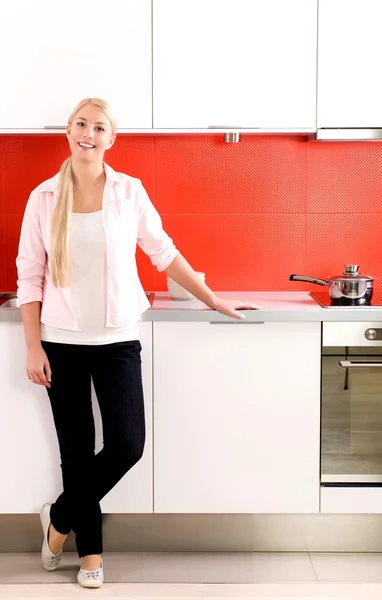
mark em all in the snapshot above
pixel 351 410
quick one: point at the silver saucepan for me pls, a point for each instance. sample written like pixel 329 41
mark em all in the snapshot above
pixel 348 288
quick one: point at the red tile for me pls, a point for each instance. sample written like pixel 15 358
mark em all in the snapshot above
pixel 336 240
pixel 1 177
pixel 256 252
pixel 2 256
pixel 146 271
pixel 29 160
pixel 202 174
pixel 134 155
pixel 344 177
pixel 12 236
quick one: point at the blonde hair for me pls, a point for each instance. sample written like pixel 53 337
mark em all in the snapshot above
pixel 60 233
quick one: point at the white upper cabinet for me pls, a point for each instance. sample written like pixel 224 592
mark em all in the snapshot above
pixel 349 63
pixel 236 417
pixel 54 53
pixel 240 63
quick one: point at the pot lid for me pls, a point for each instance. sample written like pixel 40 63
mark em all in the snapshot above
pixel 352 273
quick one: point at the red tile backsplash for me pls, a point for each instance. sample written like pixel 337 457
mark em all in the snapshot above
pixel 204 175
pixel 247 214
pixel 12 234
pixel 1 181
pixel 2 254
pixel 344 178
pixel 28 160
pixel 334 240
pixel 240 252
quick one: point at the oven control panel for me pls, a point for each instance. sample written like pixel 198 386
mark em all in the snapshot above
pixel 352 333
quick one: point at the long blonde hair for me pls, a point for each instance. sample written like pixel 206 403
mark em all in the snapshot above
pixel 60 232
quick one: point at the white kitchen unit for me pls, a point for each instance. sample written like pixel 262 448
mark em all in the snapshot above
pixel 235 63
pixel 349 62
pixel 236 417
pixel 30 472
pixel 53 54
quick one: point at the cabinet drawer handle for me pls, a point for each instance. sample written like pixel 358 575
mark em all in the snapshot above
pixel 242 322
pixel 225 127
pixel 363 365
pixel 54 126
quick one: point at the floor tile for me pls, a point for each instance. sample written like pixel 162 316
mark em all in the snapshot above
pixel 238 567
pixel 26 568
pixel 196 592
pixel 201 576
pixel 347 567
pixel 197 567
pixel 123 567
pixel 285 567
pixel 303 591
pixel 109 591
pixel 166 567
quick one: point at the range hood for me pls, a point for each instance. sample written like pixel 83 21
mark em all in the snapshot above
pixel 351 134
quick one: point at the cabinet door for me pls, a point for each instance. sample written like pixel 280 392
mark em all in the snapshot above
pixel 349 56
pixel 236 417
pixel 243 63
pixel 53 54
pixel 30 472
pixel 134 493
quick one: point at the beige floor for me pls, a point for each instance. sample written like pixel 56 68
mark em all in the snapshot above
pixel 201 575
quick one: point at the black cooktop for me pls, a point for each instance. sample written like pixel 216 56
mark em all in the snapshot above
pixel 324 300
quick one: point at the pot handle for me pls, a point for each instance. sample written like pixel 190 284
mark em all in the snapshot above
pixel 308 279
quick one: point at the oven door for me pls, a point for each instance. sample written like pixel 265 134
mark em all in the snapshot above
pixel 351 416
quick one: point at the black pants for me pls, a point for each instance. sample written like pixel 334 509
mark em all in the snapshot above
pixel 116 373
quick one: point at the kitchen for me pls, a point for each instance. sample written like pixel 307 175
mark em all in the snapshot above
pixel 248 214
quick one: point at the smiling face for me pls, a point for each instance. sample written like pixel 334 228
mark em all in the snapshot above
pixel 90 134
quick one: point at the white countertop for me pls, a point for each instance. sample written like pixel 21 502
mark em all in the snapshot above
pixel 277 306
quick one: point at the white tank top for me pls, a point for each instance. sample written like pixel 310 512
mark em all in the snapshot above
pixel 88 287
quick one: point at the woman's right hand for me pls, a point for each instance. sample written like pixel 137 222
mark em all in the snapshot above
pixel 38 367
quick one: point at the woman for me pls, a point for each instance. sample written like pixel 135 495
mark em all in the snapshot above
pixel 81 300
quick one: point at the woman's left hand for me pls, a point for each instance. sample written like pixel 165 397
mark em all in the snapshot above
pixel 232 308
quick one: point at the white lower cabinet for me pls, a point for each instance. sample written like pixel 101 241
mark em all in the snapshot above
pixel 30 472
pixel 236 417
pixel 236 422
pixel 134 493
pixel 29 459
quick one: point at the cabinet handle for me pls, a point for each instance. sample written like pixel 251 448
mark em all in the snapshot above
pixel 54 126
pixel 225 127
pixel 243 322
pixel 363 365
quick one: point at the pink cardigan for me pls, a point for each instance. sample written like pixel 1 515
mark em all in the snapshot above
pixel 129 218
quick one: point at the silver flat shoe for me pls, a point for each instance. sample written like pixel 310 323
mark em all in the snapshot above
pixel 91 579
pixel 50 561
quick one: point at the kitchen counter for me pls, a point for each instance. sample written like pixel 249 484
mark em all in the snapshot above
pixel 277 306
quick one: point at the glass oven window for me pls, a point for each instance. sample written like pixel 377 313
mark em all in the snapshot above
pixel 351 418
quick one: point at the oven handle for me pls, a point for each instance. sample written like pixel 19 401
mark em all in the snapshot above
pixel 363 365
